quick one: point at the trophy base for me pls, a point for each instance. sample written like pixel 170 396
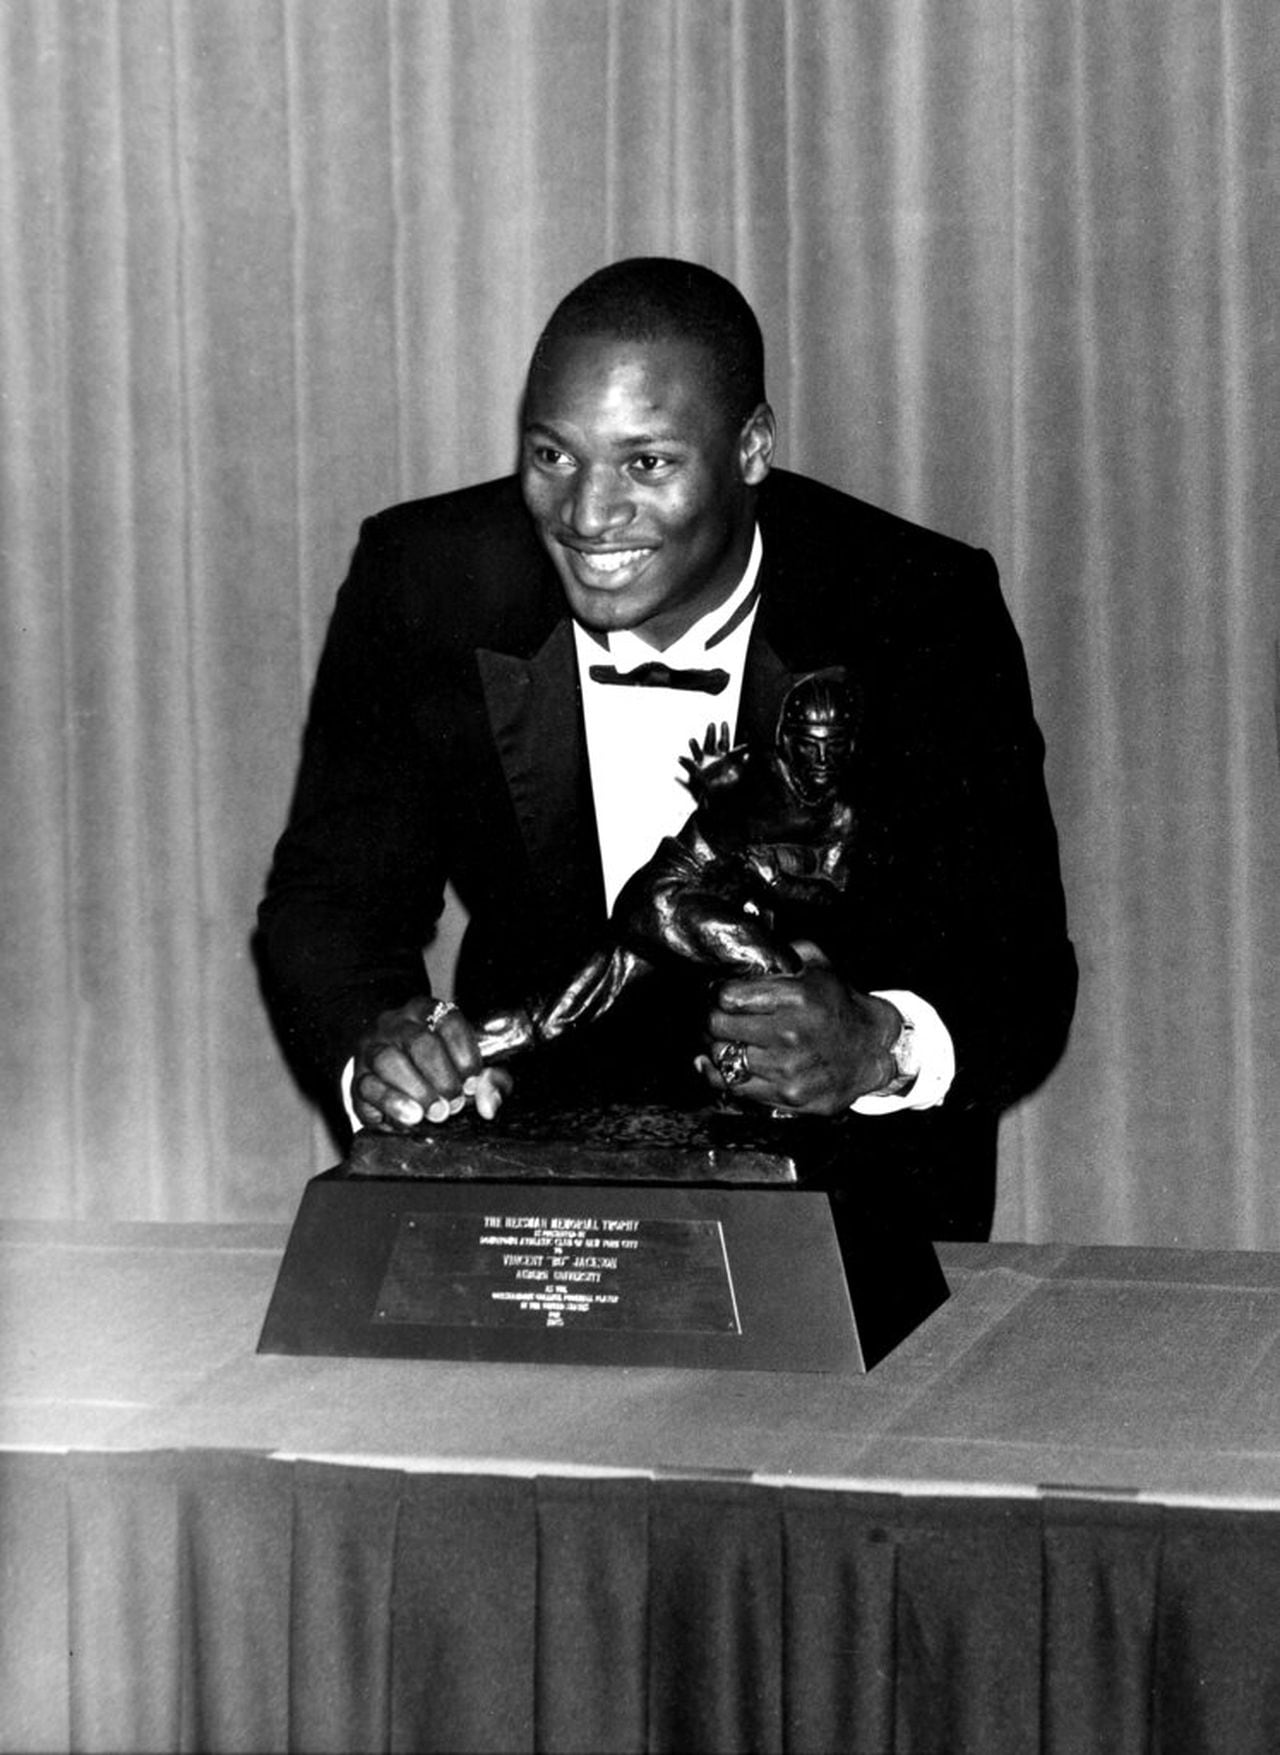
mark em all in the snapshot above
pixel 606 1236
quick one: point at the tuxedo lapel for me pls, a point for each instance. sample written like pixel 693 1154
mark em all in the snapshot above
pixel 770 669
pixel 765 680
pixel 535 719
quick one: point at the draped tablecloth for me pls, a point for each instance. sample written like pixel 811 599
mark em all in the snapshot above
pixel 1050 1520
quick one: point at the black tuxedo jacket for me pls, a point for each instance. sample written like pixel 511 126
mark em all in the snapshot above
pixel 445 742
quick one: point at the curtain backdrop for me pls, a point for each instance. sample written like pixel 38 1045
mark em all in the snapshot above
pixel 267 265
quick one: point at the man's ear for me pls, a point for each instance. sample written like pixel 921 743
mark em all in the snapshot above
pixel 756 441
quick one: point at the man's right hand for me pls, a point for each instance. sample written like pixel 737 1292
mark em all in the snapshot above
pixel 408 1068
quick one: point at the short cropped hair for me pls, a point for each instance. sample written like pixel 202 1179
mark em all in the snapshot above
pixel 652 298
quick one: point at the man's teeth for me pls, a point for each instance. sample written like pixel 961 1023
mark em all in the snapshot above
pixel 615 562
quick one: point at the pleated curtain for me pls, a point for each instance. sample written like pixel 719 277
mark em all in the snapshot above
pixel 218 1600
pixel 269 265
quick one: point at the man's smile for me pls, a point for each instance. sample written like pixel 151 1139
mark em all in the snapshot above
pixel 616 565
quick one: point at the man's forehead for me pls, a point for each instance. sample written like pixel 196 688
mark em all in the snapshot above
pixel 654 372
pixel 633 427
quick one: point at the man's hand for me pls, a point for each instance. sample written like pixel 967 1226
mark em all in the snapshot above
pixel 408 1068
pixel 811 1042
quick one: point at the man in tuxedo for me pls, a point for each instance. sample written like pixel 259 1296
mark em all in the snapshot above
pixel 512 676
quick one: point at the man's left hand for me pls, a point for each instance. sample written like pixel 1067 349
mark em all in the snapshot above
pixel 812 1043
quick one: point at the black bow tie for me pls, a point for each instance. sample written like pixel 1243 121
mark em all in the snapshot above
pixel 656 675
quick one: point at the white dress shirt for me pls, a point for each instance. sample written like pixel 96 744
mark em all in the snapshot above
pixel 636 736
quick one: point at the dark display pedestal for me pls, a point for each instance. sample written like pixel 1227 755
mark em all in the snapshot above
pixel 610 1236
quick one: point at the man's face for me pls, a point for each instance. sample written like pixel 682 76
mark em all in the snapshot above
pixel 638 483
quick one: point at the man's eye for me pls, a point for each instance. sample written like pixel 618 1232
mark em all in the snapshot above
pixel 647 463
pixel 547 457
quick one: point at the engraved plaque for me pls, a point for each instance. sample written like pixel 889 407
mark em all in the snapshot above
pixel 513 1269
pixel 748 1279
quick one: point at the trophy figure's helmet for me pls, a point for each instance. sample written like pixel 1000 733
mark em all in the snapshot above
pixel 816 726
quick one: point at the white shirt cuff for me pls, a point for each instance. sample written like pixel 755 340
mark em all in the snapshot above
pixel 935 1058
pixel 348 1079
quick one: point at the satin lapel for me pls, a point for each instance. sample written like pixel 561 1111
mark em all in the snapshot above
pixel 536 723
pixel 782 634
pixel 765 680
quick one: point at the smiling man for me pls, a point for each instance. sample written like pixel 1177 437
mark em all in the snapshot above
pixel 512 680
pixel 639 474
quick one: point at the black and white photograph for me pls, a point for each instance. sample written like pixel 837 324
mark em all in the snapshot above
pixel 640 944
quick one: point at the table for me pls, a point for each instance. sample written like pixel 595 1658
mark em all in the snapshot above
pixel 1048 1521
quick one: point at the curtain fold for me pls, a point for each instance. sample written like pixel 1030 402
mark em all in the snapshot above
pixel 222 1602
pixel 268 265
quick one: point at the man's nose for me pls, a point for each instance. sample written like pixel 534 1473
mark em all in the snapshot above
pixel 597 503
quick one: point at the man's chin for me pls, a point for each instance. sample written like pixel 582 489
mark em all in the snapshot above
pixel 603 611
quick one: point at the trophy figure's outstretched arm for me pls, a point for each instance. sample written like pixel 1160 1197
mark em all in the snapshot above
pixel 589 995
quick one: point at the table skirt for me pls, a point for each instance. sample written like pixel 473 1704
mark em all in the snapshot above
pixel 206 1600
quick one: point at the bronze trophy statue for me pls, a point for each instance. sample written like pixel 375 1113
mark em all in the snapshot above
pixel 771 827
